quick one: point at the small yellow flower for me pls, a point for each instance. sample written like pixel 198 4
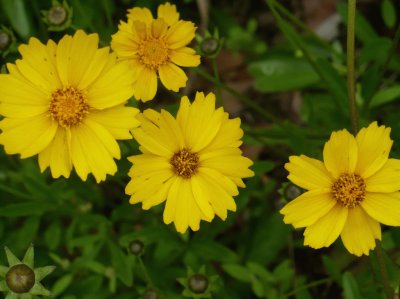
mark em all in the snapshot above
pixel 351 192
pixel 192 161
pixel 65 103
pixel 156 47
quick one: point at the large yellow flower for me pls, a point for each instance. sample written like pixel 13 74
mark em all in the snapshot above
pixel 156 47
pixel 65 103
pixel 193 162
pixel 350 193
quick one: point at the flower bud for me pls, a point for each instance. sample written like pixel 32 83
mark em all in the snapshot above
pixel 198 283
pixel 20 278
pixel 291 191
pixel 136 247
pixel 57 15
pixel 209 45
pixel 5 40
pixel 150 294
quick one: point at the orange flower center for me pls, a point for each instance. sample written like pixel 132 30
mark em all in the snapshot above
pixel 349 190
pixel 185 163
pixel 68 106
pixel 153 53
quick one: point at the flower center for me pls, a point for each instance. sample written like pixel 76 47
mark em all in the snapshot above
pixel 20 278
pixel 68 106
pixel 153 53
pixel 349 190
pixel 185 163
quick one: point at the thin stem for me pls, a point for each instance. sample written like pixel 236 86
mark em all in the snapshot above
pixel 310 285
pixel 145 273
pixel 244 99
pixel 382 266
pixel 217 80
pixel 351 86
pixel 292 36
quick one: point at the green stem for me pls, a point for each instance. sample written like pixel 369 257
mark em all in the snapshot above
pixel 351 86
pixel 217 80
pixel 307 286
pixel 145 273
pixel 244 99
pixel 384 274
pixel 293 37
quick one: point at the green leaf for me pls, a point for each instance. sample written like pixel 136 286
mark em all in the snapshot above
pixel 210 250
pixel 239 272
pixel 385 96
pixel 282 74
pixel 52 235
pixel 257 287
pixel 261 272
pixel 17 14
pixel 350 287
pixel 61 284
pixel 331 268
pixel 24 209
pixel 388 13
pixel 120 263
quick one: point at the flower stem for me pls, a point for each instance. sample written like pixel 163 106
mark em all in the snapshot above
pixel 217 80
pixel 351 16
pixel 384 274
pixel 145 273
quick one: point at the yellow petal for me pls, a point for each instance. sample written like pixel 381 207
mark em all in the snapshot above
pixel 308 173
pixel 360 232
pixel 168 13
pixel 185 57
pixel 172 77
pixel 201 197
pixel 229 134
pixel 40 58
pixel 57 155
pixel 159 196
pixel 232 166
pixel 326 229
pixel 306 209
pixel 180 34
pixel 340 153
pixel 220 200
pixel 118 120
pixel 145 87
pixel 16 91
pixel 140 14
pixel 386 179
pixel 28 136
pixel 111 88
pixel 383 207
pixel 158 28
pixel 90 154
pixel 374 145
pixel 172 201
pixel 152 144
pixel 227 183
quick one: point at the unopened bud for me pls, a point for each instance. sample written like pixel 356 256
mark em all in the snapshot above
pixel 198 283
pixel 292 191
pixel 136 247
pixel 5 40
pixel 150 294
pixel 57 15
pixel 20 278
pixel 209 45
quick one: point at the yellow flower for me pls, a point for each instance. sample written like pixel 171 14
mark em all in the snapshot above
pixel 354 190
pixel 65 103
pixel 192 161
pixel 156 47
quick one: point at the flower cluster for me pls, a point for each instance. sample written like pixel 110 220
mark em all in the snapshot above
pixel 67 104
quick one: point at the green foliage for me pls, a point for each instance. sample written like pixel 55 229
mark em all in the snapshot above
pixel 86 228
